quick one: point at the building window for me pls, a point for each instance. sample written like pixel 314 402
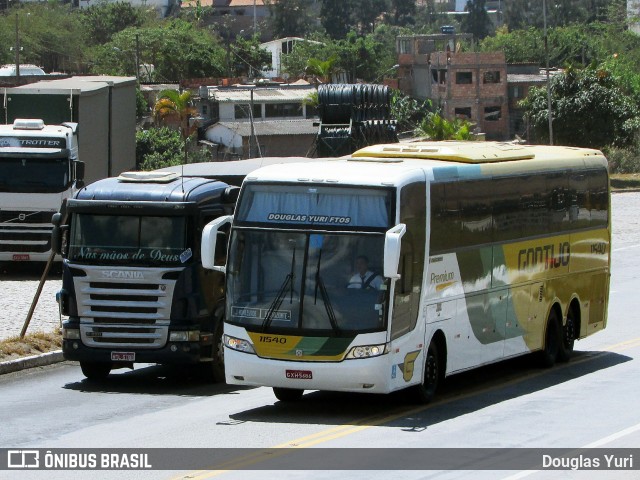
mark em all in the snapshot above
pixel 463 113
pixel 492 114
pixel 205 110
pixel 283 110
pixel 242 110
pixel 439 76
pixel 464 78
pixel 404 46
pixel 491 77
pixel 515 92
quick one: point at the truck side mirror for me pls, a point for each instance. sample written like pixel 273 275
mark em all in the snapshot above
pixel 79 168
pixel 56 234
pixel 208 244
pixel 392 244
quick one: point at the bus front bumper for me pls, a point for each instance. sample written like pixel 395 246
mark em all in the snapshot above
pixel 368 375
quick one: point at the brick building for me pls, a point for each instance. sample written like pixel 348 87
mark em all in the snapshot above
pixel 470 85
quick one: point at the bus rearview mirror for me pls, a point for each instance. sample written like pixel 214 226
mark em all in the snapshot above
pixel 392 244
pixel 208 243
pixel 56 234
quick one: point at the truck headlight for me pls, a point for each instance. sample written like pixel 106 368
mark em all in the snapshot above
pixel 368 351
pixel 238 344
pixel 184 336
pixel 71 333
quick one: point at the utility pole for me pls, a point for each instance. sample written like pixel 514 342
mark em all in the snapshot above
pixel 546 55
pixel 17 47
pixel 138 57
pixel 254 18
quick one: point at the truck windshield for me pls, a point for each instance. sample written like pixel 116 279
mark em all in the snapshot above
pixel 37 175
pixel 128 240
pixel 306 282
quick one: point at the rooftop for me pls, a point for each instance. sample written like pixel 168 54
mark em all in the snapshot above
pixel 260 94
pixel 271 127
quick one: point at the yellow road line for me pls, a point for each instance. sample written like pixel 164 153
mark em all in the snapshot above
pixel 380 419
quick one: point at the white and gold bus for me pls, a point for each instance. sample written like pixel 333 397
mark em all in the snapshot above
pixel 479 251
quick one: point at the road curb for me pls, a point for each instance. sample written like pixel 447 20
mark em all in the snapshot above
pixel 30 362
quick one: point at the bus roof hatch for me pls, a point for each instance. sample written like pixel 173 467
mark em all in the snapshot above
pixel 462 152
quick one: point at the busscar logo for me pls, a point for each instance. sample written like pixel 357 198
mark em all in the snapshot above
pixel 23 459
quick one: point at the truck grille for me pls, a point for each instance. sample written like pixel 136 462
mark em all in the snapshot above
pixel 124 306
pixel 24 232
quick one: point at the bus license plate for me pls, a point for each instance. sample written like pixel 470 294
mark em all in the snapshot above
pixel 20 257
pixel 299 374
pixel 123 356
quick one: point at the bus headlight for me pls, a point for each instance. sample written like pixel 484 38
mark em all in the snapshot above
pixel 368 351
pixel 238 344
pixel 184 336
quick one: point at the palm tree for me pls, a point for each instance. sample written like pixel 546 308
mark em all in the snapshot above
pixel 436 127
pixel 176 108
pixel 323 69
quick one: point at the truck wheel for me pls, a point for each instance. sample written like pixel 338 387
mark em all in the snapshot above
pixel 425 391
pixel 95 370
pixel 213 371
pixel 217 353
pixel 287 394
pixel 549 353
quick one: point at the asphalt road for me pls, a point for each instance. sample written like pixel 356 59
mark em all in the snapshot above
pixel 590 402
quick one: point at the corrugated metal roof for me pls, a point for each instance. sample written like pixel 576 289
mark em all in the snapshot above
pixel 246 3
pixel 261 95
pixel 271 127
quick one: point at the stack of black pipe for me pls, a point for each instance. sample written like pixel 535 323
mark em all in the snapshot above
pixel 352 117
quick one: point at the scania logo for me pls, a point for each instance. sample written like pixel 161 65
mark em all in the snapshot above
pixel 22 217
pixel 129 275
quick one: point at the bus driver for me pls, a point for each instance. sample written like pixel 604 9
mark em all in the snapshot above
pixel 364 278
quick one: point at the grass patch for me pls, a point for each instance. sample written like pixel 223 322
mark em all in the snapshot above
pixel 32 344
pixel 625 181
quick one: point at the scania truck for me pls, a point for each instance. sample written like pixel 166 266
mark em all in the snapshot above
pixel 133 286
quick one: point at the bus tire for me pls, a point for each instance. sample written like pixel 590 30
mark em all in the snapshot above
pixel 426 391
pixel 95 370
pixel 565 349
pixel 552 339
pixel 288 394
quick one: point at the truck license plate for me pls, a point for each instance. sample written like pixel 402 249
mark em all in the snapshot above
pixel 20 257
pixel 300 374
pixel 123 356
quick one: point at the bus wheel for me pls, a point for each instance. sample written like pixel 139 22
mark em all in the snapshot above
pixel 565 349
pixel 95 370
pixel 287 394
pixel 424 392
pixel 553 337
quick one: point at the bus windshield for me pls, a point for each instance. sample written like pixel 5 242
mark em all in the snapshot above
pixel 36 175
pixel 306 283
pixel 128 240
pixel 327 207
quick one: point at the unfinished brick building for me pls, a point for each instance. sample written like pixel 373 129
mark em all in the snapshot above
pixel 469 85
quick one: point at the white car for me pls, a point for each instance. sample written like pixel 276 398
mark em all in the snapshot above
pixel 10 70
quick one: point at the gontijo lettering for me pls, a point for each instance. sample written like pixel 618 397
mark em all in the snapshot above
pixel 545 256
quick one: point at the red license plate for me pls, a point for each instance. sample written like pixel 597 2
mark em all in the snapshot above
pixel 123 356
pixel 21 257
pixel 300 374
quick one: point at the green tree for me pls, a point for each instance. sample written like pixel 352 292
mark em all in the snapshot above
pixel 290 18
pixel 408 112
pixel 366 13
pixel 322 69
pixel 477 20
pixel 158 148
pixel 589 107
pixel 104 19
pixel 402 12
pixel 175 107
pixel 435 127
pixel 336 17
pixel 176 48
pixel 249 58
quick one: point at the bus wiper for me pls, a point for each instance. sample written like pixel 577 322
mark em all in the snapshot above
pixel 325 297
pixel 275 305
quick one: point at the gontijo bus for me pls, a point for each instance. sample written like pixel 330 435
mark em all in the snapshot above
pixel 485 250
